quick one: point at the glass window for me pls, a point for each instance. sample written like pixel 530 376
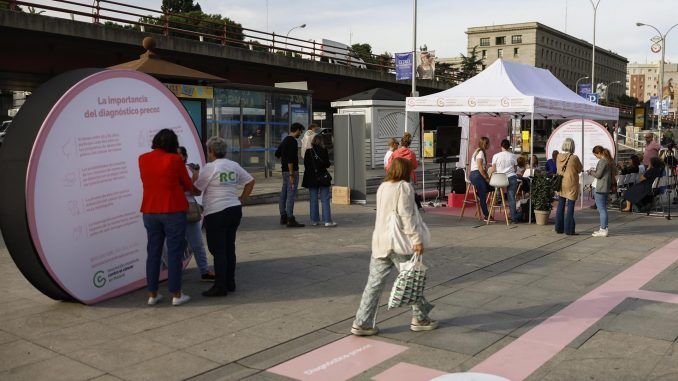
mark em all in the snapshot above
pixel 517 39
pixel 484 54
pixel 500 40
pixel 485 41
pixel 500 53
pixel 515 52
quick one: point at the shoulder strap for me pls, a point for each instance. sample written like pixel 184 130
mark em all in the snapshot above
pixel 565 165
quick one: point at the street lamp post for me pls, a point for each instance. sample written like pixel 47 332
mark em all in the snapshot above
pixel 661 72
pixel 290 31
pixel 593 52
pixel 576 85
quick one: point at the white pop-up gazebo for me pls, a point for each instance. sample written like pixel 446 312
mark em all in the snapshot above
pixel 511 88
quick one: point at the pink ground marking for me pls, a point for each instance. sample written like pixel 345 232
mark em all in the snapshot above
pixel 656 296
pixel 530 351
pixel 408 372
pixel 339 360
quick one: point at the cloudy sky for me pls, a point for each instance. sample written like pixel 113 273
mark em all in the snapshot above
pixel 387 24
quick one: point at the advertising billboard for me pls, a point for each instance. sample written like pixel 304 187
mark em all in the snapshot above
pixel 78 188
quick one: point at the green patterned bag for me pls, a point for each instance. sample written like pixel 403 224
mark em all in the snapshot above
pixel 409 286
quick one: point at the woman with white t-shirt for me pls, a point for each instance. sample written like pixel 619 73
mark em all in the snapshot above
pixel 479 176
pixel 392 146
pixel 218 183
pixel 506 162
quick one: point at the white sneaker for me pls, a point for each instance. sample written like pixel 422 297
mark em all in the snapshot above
pixel 600 233
pixel 153 301
pixel 330 224
pixel 180 300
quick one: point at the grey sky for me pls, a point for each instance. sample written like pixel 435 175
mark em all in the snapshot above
pixel 387 25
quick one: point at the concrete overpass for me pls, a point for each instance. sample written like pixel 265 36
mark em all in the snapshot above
pixel 36 47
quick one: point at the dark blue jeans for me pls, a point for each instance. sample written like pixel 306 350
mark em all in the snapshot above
pixel 161 227
pixel 482 188
pixel 287 194
pixel 220 229
pixel 565 218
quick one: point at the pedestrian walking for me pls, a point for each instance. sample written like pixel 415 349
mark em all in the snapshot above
pixel 318 181
pixel 194 228
pixel 395 195
pixel 164 180
pixel 218 183
pixel 569 166
pixel 604 174
pixel 288 152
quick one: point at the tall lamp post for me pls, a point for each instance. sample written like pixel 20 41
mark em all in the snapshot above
pixel 290 31
pixel 576 85
pixel 661 71
pixel 593 52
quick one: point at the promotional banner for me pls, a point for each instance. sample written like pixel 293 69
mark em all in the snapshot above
pixel 403 66
pixel 584 90
pixel 426 65
pixel 83 190
pixel 495 128
pixel 594 135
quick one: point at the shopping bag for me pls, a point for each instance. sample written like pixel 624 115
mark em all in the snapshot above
pixel 409 286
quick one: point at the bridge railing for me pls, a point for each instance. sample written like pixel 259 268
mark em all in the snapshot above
pixel 110 13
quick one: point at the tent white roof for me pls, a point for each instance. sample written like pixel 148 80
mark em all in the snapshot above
pixel 512 88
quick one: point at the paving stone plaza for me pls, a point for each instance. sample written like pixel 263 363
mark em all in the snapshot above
pixel 298 291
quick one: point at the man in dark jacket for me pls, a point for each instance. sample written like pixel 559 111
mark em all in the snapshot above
pixel 288 152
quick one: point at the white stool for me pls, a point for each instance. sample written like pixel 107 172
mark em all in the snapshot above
pixel 498 181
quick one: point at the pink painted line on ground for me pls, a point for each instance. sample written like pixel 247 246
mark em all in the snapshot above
pixel 530 351
pixel 408 372
pixel 656 296
pixel 339 360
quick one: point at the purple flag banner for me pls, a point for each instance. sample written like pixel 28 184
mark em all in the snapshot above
pixel 403 65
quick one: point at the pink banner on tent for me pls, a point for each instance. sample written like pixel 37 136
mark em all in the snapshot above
pixel 495 128
pixel 339 360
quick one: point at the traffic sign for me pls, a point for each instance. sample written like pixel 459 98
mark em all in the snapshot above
pixel 655 48
pixel 593 97
pixel 656 39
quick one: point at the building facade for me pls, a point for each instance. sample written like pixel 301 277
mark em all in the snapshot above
pixel 567 57
pixel 642 80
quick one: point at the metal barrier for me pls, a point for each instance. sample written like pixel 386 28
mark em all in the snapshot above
pixel 234 35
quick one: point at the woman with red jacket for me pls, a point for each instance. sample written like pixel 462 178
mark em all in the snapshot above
pixel 164 206
pixel 406 153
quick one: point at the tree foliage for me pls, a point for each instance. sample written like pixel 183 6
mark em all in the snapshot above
pixel 470 65
pixel 179 6
pixel 364 51
pixel 199 22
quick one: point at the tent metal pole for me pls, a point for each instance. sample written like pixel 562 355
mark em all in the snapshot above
pixel 423 165
pixel 581 203
pixel 530 160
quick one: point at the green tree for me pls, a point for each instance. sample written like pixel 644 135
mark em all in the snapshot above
pixel 446 71
pixel 206 25
pixel 470 65
pixel 364 52
pixel 179 6
pixel 385 60
pixel 6 6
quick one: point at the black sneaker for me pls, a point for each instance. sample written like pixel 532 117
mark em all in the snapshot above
pixel 292 223
pixel 215 291
pixel 207 277
pixel 283 220
pixel 230 285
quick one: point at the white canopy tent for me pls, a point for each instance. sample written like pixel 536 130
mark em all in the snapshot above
pixel 511 88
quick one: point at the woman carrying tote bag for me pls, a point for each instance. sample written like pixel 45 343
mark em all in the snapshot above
pixel 395 195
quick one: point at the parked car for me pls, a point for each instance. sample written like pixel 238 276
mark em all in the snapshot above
pixel 3 130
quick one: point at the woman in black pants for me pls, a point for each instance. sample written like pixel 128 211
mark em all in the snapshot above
pixel 218 183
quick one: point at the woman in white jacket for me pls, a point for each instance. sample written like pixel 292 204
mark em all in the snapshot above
pixel 395 190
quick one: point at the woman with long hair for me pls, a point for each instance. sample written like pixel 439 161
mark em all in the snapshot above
pixel 395 193
pixel 641 193
pixel 479 176
pixel 318 181
pixel 604 174
pixel 569 166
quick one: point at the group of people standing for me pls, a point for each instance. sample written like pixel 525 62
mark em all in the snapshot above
pixel 167 190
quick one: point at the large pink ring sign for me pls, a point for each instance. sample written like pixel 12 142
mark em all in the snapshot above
pixel 83 189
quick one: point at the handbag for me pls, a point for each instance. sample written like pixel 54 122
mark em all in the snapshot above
pixel 194 212
pixel 400 242
pixel 323 177
pixel 408 288
pixel 557 182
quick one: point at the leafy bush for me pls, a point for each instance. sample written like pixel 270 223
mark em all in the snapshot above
pixel 541 192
